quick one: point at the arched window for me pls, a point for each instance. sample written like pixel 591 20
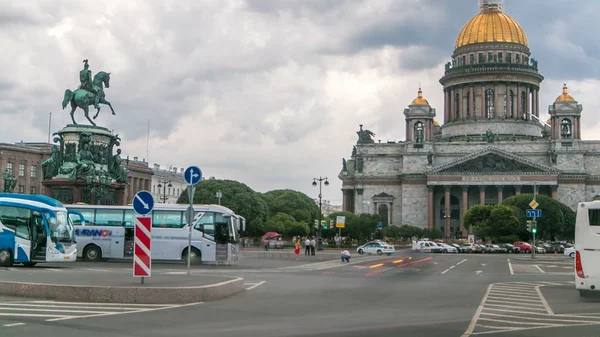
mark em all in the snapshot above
pixel 468 99
pixel 523 105
pixel 419 132
pixel 512 104
pixel 566 128
pixel 384 214
pixel 456 106
pixel 489 103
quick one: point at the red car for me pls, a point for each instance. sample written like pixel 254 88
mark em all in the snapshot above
pixel 524 247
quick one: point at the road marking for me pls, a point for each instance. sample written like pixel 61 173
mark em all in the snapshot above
pixel 376 265
pixel 13 324
pixel 126 312
pixel 99 270
pixel 477 272
pixel 455 265
pixel 530 310
pixel 540 269
pixel 398 261
pixel 510 267
pixel 255 285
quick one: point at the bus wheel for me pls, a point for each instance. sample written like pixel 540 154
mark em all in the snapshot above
pixel 6 258
pixel 92 253
pixel 195 256
pixel 29 264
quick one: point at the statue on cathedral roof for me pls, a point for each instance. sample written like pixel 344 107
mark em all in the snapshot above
pixel 365 136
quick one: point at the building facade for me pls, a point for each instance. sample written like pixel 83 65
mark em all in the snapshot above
pixel 167 184
pixel 24 162
pixel 139 179
pixel 492 144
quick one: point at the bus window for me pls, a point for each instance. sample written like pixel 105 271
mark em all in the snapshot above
pixel 17 219
pixel 166 219
pixel 88 215
pixel 206 225
pixel 594 215
pixel 109 217
pixel 130 216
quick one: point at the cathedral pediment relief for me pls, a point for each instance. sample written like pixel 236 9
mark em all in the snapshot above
pixel 492 161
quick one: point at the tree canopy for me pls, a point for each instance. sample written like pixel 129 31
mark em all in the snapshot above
pixel 557 221
pixel 238 197
pixel 499 223
pixel 361 227
pixel 297 204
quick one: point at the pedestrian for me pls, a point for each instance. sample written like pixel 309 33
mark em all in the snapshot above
pixel 297 249
pixel 312 246
pixel 266 242
pixel 346 256
pixel 307 247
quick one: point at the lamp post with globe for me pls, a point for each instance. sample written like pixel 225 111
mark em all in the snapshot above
pixel 320 226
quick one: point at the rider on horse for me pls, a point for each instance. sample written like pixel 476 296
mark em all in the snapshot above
pixel 85 77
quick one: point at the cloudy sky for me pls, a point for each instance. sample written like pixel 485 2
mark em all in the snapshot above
pixel 267 92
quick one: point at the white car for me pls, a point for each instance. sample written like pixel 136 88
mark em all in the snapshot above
pixel 376 247
pixel 446 248
pixel 570 252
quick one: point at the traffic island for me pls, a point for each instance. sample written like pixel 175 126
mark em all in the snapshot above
pixel 102 288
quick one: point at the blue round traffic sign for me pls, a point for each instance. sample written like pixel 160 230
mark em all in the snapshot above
pixel 192 175
pixel 143 202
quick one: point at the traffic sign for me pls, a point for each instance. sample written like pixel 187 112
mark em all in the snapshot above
pixel 143 202
pixel 192 175
pixel 142 248
pixel 380 225
pixel 533 204
pixel 340 222
pixel 533 213
pixel 189 215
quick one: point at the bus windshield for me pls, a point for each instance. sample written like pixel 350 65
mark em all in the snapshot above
pixel 61 227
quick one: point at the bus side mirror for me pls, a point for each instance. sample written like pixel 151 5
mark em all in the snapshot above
pixel 81 218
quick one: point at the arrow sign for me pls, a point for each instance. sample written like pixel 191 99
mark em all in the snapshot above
pixel 192 175
pixel 533 213
pixel 143 202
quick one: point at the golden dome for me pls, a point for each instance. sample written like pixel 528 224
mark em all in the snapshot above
pixel 491 25
pixel 435 123
pixel 565 97
pixel 420 100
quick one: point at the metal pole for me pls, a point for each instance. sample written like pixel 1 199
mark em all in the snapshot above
pixel 320 228
pixel 49 127
pixel 534 224
pixel 189 253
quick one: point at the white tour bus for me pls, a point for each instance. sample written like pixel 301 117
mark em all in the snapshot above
pixel 107 232
pixel 35 228
pixel 587 248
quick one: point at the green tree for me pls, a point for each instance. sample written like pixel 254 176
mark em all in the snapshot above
pixel 294 203
pixel 407 232
pixel 238 197
pixel 360 227
pixel 432 233
pixel 476 220
pixel 279 223
pixel 552 221
pixel 568 228
pixel 503 222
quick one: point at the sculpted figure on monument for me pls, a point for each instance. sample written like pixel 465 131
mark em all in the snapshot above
pixel 430 158
pixel 85 162
pixel 364 136
pixel 490 136
pixel 9 181
pixel 51 165
pixel 115 169
pixel 359 165
pixel 554 156
pixel 353 151
pixel 90 92
pixel 344 168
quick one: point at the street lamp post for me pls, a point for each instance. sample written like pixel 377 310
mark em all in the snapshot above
pixel 320 226
pixel 219 196
pixel 164 184
pixel 446 224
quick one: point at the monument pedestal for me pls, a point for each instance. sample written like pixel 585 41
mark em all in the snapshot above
pixel 82 167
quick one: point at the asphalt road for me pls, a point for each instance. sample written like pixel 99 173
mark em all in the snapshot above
pixel 408 294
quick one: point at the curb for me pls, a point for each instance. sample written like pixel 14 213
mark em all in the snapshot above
pixel 544 259
pixel 140 295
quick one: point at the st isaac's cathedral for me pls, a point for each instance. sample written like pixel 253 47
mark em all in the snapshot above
pixel 491 146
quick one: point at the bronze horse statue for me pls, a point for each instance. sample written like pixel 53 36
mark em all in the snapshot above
pixel 83 98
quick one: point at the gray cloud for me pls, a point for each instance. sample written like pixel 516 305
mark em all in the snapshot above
pixel 269 92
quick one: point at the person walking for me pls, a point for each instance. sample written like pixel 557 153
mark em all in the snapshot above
pixel 346 256
pixel 297 249
pixel 313 243
pixel 307 246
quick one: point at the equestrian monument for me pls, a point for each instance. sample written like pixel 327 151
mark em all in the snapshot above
pixel 84 165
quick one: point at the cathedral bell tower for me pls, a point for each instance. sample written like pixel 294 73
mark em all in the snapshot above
pixel 419 120
pixel 565 118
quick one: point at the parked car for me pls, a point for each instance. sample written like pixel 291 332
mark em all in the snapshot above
pixel 446 248
pixel 570 252
pixel 376 247
pixel 471 248
pixel 540 250
pixel 459 249
pixel 509 248
pixel 524 247
pixel 558 247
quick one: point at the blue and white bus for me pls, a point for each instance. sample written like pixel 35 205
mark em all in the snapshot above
pixel 35 228
pixel 587 248
pixel 108 232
